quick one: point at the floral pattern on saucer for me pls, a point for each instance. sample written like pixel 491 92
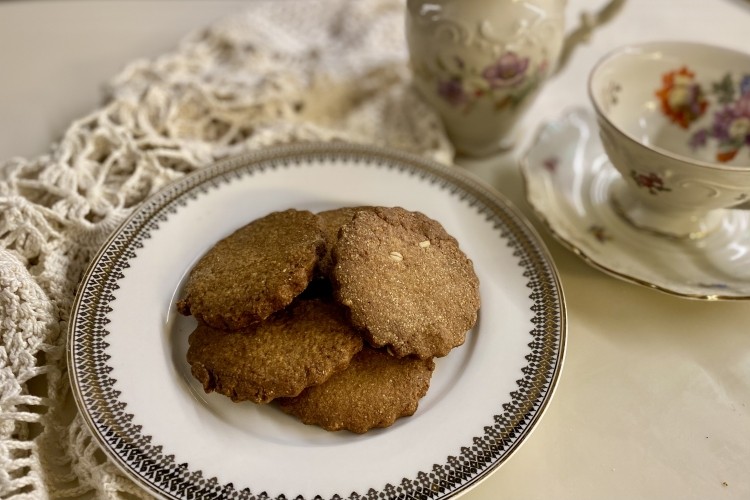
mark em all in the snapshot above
pixel 575 199
pixel 684 100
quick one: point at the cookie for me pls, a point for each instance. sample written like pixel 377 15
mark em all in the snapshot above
pixel 405 281
pixel 374 391
pixel 300 346
pixel 332 222
pixel 256 271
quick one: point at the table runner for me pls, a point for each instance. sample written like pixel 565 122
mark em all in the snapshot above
pixel 298 70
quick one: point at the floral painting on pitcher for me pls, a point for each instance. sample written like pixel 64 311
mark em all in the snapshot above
pixel 507 81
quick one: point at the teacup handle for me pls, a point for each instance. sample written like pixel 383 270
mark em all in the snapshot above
pixel 589 22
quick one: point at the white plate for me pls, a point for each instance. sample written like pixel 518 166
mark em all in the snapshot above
pixel 133 385
pixel 569 183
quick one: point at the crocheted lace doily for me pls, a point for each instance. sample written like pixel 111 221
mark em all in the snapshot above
pixel 280 72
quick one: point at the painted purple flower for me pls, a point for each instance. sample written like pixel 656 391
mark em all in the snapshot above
pixel 745 85
pixel 453 91
pixel 699 139
pixel 732 128
pixel 508 71
pixel 722 119
pixel 729 121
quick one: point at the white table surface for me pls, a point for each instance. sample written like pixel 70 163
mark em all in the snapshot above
pixel 654 399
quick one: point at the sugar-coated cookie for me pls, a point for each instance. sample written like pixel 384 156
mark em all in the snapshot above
pixel 406 282
pixel 333 220
pixel 302 345
pixel 374 391
pixel 255 271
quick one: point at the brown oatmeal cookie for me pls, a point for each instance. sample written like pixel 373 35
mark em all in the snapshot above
pixel 255 271
pixel 405 282
pixel 374 391
pixel 332 222
pixel 300 346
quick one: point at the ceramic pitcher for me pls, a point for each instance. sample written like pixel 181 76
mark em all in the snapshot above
pixel 480 63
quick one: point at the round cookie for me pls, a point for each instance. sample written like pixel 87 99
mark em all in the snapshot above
pixel 332 222
pixel 255 271
pixel 302 345
pixel 405 281
pixel 374 391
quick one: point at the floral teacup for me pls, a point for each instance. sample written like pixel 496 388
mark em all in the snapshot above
pixel 674 119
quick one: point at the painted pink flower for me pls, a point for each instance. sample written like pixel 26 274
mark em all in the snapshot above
pixel 650 181
pixel 551 163
pixel 453 92
pixel 742 106
pixel 508 71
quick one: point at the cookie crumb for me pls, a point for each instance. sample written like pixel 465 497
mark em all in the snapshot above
pixel 424 244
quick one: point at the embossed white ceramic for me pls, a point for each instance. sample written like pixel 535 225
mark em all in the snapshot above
pixel 569 183
pixel 674 118
pixel 480 63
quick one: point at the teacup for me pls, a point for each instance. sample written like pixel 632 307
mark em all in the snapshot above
pixel 674 118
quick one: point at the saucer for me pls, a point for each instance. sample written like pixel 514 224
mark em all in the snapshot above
pixel 570 184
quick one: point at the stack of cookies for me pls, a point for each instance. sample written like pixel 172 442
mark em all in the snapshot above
pixel 335 316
